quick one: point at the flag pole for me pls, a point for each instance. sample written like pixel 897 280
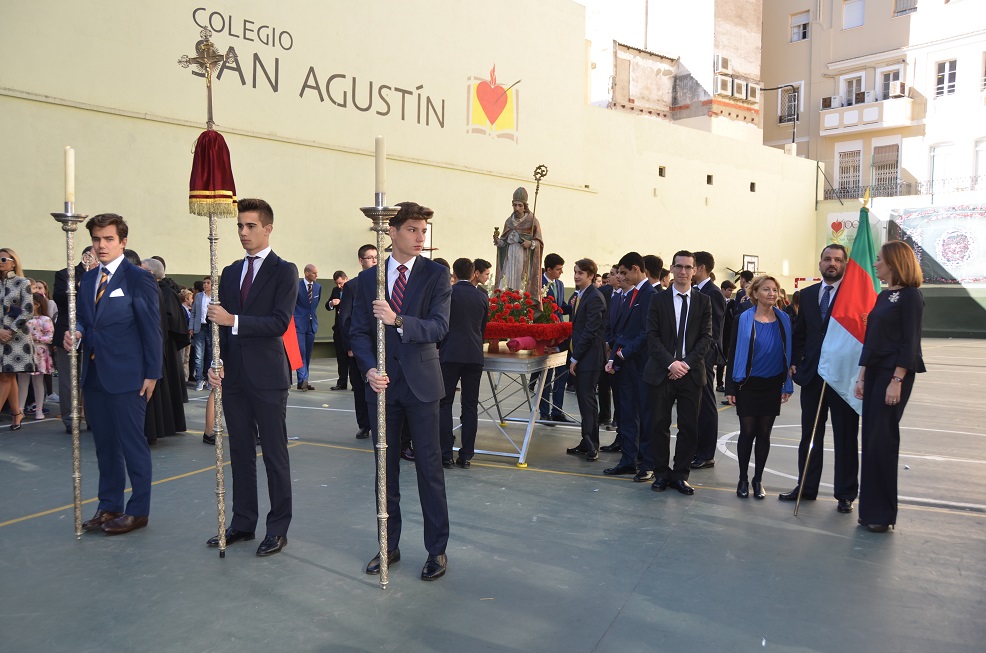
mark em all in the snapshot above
pixel 811 445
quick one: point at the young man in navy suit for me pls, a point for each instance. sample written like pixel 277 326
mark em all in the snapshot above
pixel 627 356
pixel 708 417
pixel 119 324
pixel 553 398
pixel 306 321
pixel 416 315
pixel 461 356
pixel 587 355
pixel 809 332
pixel 367 256
pixel 257 295
pixel 679 334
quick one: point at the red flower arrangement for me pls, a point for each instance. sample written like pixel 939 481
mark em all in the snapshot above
pixel 514 314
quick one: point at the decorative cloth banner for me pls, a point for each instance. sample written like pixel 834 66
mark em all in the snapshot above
pixel 211 190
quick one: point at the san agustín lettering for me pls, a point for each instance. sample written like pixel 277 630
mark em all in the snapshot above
pixel 344 91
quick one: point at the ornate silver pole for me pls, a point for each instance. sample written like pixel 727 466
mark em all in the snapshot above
pixel 70 220
pixel 217 393
pixel 381 215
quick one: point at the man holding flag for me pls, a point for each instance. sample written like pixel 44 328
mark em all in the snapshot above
pixel 828 337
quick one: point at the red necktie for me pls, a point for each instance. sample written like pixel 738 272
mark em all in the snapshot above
pixel 397 296
pixel 247 281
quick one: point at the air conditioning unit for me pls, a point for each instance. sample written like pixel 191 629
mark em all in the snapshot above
pixel 898 89
pixel 864 97
pixel 723 64
pixel 833 102
pixel 739 89
pixel 753 92
pixel 724 85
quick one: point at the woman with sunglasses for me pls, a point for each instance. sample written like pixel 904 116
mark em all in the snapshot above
pixel 16 346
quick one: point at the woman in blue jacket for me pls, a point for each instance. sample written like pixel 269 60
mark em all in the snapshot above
pixel 759 379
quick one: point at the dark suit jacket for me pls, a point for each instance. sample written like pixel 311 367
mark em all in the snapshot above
pixel 425 310
pixel 717 352
pixel 306 312
pixel 59 294
pixel 589 331
pixel 662 336
pixel 630 327
pixel 808 333
pixel 124 331
pixel 344 314
pixel 470 309
pixel 256 354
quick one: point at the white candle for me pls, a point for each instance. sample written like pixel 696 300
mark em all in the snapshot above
pixel 381 169
pixel 69 174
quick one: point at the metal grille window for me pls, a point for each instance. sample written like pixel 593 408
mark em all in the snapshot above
pixel 886 170
pixel 904 7
pixel 852 13
pixel 799 26
pixel 945 80
pixel 788 106
pixel 850 170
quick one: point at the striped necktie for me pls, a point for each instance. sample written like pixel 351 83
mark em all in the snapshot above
pixel 101 288
pixel 397 296
pixel 247 280
pixel 310 293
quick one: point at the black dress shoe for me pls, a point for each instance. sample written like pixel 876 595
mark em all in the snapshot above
pixel 208 438
pixel 743 489
pixel 434 567
pixel 124 524
pixel 407 453
pixel 720 388
pixel 699 463
pixel 758 492
pixel 592 456
pixel 643 476
pixel 845 505
pixel 877 528
pixel 464 464
pixel 301 386
pixel 563 418
pixel 793 495
pixel 362 434
pixel 272 544
pixel 619 470
pixel 100 518
pixel 311 387
pixel 682 486
pixel 373 566
pixel 546 418
pixel 611 448
pixel 336 387
pixel 659 484
pixel 232 536
pixel 612 426
pixel 447 462
pixel 577 451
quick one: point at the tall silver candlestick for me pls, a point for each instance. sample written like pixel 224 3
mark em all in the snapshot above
pixel 70 221
pixel 381 215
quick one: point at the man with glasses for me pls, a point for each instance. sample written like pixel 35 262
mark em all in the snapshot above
pixel 367 256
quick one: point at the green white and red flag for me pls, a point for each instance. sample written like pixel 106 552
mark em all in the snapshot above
pixel 838 364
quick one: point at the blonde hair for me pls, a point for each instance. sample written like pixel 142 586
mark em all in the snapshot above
pixel 18 270
pixel 903 263
pixel 754 287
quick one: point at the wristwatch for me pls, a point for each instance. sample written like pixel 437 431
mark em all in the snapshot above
pixel 399 322
pixel 898 379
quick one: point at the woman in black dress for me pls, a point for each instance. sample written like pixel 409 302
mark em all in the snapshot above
pixel 759 378
pixel 891 356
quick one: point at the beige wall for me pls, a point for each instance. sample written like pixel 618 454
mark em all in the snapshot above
pixel 107 83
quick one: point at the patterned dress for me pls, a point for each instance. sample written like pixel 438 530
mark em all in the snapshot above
pixel 42 330
pixel 17 302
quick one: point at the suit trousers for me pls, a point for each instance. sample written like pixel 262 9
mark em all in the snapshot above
pixel 117 421
pixel 708 418
pixel 470 374
pixel 585 393
pixel 342 361
pixel 636 425
pixel 306 341
pixel 359 394
pixel 881 446
pixel 686 396
pixel 249 412
pixel 605 396
pixel 422 419
pixel 845 440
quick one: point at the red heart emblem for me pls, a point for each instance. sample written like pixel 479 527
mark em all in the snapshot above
pixel 492 99
pixel 836 226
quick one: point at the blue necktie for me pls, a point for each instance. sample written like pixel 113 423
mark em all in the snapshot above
pixel 826 301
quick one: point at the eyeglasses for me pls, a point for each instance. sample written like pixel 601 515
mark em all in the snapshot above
pixel 686 268
pixel 4 259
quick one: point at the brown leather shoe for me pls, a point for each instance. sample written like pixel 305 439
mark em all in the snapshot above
pixel 124 524
pixel 100 518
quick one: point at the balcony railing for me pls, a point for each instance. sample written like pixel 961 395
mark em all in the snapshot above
pixel 876 190
pixel 930 187
pixel 950 185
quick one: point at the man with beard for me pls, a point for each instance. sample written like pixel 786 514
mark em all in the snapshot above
pixel 809 332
